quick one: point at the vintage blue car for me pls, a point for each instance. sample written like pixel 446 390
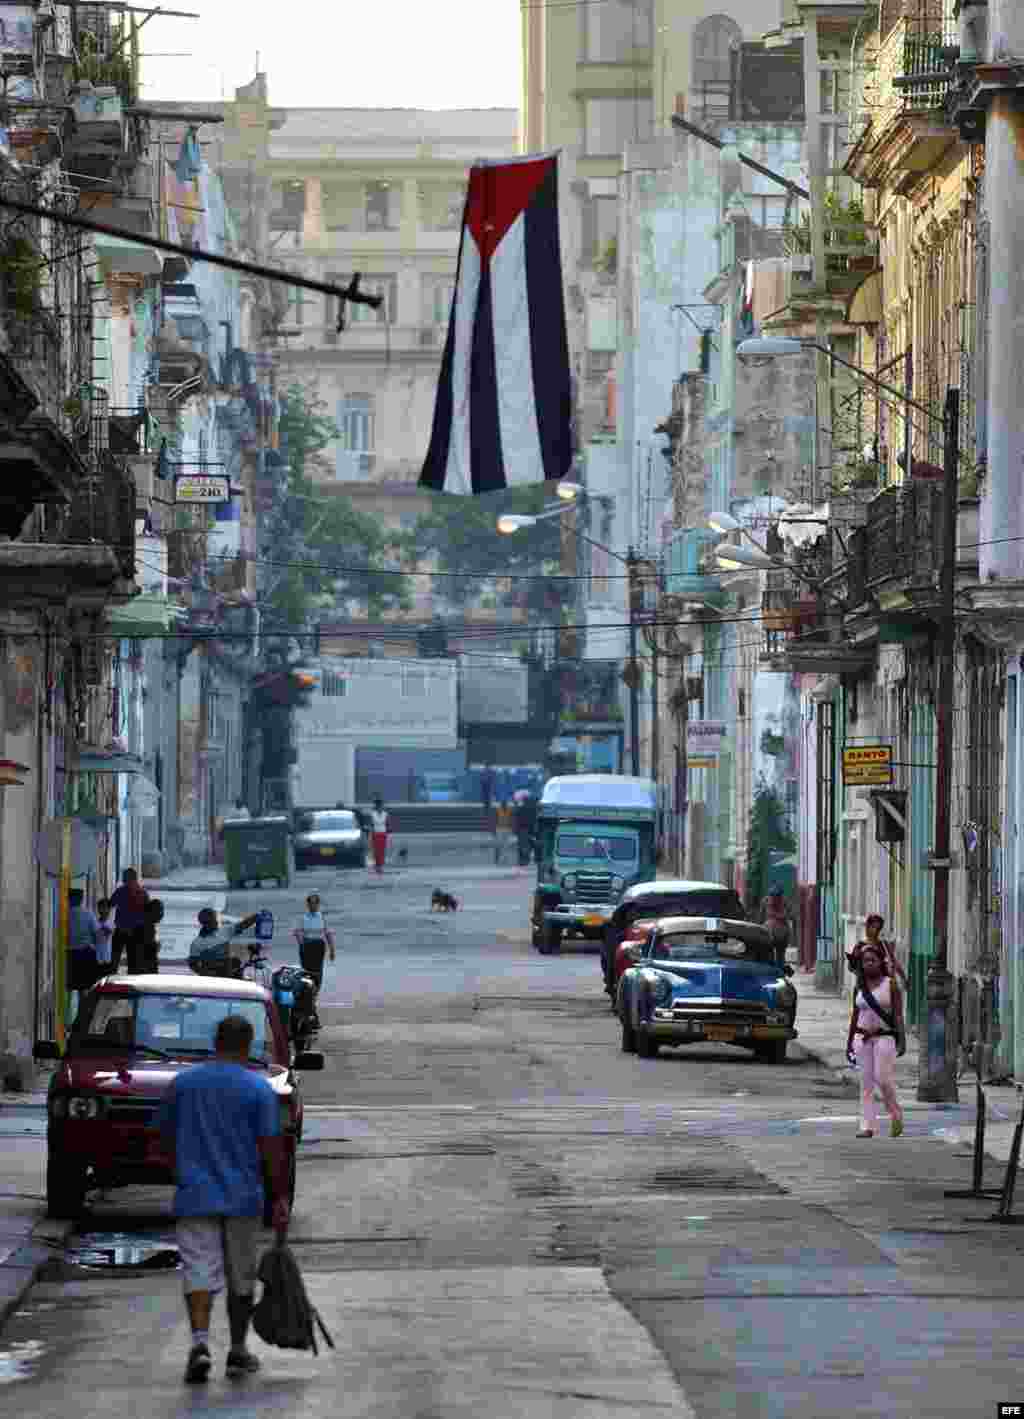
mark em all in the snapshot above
pixel 704 979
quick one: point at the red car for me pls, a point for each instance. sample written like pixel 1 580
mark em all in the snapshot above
pixel 132 1036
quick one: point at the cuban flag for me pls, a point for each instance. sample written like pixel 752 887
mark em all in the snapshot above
pixel 503 414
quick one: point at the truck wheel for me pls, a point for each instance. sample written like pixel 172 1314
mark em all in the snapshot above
pixel 65 1191
pixel 549 940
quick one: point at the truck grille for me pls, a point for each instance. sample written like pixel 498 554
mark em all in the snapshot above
pixel 594 889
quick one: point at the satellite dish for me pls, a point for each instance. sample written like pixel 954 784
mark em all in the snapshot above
pixel 84 845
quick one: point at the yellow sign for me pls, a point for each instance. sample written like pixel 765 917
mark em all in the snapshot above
pixel 701 763
pixel 868 764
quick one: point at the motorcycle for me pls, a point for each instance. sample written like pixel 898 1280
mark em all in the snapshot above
pixel 294 993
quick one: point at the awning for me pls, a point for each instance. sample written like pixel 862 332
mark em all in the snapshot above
pixel 865 304
pixel 99 761
pixel 123 254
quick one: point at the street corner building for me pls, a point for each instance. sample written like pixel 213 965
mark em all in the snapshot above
pixel 504 401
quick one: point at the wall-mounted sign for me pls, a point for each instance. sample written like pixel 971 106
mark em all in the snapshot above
pixel 202 488
pixel 705 739
pixel 868 764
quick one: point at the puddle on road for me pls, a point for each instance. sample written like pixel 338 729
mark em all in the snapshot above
pixel 17 1360
pixel 129 1250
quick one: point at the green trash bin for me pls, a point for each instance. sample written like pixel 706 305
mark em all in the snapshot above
pixel 256 849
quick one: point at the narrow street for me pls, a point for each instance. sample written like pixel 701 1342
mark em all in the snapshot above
pixel 500 1213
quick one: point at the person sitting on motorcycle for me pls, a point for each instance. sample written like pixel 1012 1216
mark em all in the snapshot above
pixel 209 953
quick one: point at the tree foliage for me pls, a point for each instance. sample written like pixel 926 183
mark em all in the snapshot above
pixel 461 534
pixel 319 547
pixel 768 838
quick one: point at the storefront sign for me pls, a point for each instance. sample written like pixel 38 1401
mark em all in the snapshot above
pixel 868 764
pixel 705 740
pixel 202 488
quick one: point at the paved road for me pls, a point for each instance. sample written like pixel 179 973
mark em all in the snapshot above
pixel 500 1214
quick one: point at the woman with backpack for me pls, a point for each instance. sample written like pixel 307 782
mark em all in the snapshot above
pixel 877 1038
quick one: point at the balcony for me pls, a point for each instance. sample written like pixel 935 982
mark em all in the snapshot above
pixel 802 618
pixel 909 127
pixel 896 557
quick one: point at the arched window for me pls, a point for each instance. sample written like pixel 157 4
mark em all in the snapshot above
pixel 715 40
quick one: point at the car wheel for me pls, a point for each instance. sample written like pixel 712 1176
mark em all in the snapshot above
pixel 628 1036
pixel 646 1048
pixel 773 1053
pixel 65 1191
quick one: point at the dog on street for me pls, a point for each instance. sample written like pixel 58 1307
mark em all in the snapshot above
pixel 443 901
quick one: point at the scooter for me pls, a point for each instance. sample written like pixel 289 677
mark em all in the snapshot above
pixel 295 995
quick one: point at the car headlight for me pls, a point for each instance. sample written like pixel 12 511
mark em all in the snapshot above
pixel 82 1106
pixel 569 881
pixel 618 884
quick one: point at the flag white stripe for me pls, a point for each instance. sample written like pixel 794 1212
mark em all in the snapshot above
pixel 458 476
pixel 513 359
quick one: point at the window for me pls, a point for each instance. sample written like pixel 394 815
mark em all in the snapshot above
pixel 386 286
pixel 714 42
pixel 382 207
pixel 333 685
pixel 609 124
pixel 436 299
pixel 614 30
pixel 441 206
pixel 356 421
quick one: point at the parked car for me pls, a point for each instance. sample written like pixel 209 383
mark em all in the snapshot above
pixel 133 1035
pixel 643 904
pixel 332 837
pixel 701 980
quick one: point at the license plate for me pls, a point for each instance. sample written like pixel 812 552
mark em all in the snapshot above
pixel 327 852
pixel 723 1034
pixel 593 921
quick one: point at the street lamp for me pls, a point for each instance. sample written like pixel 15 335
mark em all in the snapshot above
pixel 570 493
pixel 937 1073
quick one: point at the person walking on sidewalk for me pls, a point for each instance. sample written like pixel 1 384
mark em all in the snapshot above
pixel 315 940
pixel 873 925
pixel 775 917
pixel 128 902
pixel 876 1038
pixel 221 1124
pixel 379 834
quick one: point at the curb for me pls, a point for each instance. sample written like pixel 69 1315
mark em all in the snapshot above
pixel 26 1263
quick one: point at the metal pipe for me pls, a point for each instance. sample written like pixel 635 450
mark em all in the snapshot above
pixel 230 263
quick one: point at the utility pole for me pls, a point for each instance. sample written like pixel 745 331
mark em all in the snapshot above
pixel 634 668
pixel 937 1073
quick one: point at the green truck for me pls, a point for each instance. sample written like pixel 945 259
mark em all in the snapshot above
pixel 596 836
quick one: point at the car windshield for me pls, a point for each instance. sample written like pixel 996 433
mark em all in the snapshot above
pixel 707 946
pixel 698 903
pixel 168 1022
pixel 332 823
pixel 588 846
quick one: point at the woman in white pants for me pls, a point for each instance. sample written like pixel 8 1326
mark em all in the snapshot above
pixel 876 1039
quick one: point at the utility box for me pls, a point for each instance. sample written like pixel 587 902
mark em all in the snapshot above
pixel 257 849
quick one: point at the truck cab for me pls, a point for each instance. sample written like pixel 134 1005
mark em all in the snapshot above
pixel 595 839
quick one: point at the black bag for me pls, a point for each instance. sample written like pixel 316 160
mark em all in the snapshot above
pixel 888 1018
pixel 284 1315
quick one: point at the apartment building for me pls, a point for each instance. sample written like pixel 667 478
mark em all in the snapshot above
pixel 379 191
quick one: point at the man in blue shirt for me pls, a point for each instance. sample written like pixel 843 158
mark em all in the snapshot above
pixel 222 1124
